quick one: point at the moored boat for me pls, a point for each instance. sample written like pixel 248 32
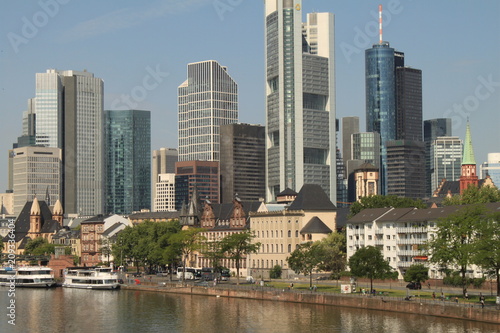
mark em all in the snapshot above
pixel 27 276
pixel 90 278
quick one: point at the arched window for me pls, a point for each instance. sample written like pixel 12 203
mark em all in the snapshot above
pixel 289 247
pixel 289 233
pixel 296 233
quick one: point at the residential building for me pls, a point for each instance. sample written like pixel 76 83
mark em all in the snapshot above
pixel 242 162
pixel 492 168
pixel 406 168
pixel 164 193
pixel 207 99
pixel 202 176
pixel 164 160
pixel 300 99
pixel 128 160
pixel 446 160
pixel 36 171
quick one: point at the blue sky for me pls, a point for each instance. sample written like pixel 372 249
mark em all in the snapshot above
pixel 456 44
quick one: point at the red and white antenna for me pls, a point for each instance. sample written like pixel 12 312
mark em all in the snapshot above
pixel 380 22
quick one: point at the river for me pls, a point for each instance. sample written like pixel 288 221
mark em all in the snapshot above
pixel 74 310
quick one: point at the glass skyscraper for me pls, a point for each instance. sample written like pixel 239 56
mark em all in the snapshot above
pixel 446 160
pixel 300 99
pixel 433 128
pixel 492 168
pixel 206 100
pixel 128 161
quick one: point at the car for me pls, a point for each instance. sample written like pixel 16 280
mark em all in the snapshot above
pixel 414 285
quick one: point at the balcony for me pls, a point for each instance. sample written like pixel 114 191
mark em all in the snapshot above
pixel 412 241
pixel 405 263
pixel 410 253
pixel 412 230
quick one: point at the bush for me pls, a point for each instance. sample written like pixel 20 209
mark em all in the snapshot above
pixel 275 272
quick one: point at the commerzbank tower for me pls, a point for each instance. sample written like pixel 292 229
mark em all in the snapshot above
pixel 300 99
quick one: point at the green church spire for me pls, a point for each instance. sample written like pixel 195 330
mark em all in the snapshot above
pixel 468 156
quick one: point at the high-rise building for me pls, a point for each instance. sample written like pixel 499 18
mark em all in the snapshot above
pixel 206 100
pixel 49 108
pixel 164 193
pixel 446 160
pixel 300 99
pixel 433 128
pixel 350 125
pixel 36 173
pixel 492 168
pixel 408 104
pixel 164 160
pixel 242 161
pixel 196 176
pixel 128 161
pixel 406 168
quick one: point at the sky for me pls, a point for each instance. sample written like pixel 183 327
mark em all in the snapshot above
pixel 141 51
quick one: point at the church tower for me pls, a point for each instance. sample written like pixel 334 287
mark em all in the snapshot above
pixel 35 219
pixel 58 214
pixel 468 174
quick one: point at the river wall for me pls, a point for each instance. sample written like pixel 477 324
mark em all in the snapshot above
pixel 382 303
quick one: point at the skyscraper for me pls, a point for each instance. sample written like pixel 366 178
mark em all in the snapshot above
pixel 433 128
pixel 206 100
pixel 164 160
pixel 128 161
pixel 350 125
pixel 408 104
pixel 492 168
pixel 445 160
pixel 300 99
pixel 242 156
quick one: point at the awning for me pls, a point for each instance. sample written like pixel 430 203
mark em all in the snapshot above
pixel 420 258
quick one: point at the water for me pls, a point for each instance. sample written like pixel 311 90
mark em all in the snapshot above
pixel 78 310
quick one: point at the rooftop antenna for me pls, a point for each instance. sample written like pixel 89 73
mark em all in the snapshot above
pixel 380 22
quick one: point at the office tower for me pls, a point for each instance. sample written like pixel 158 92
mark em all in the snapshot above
pixel 83 142
pixel 128 161
pixel 242 161
pixel 350 125
pixel 199 176
pixel 433 128
pixel 49 108
pixel 164 160
pixel 445 160
pixel 406 168
pixel 164 193
pixel 28 136
pixel 36 173
pixel 300 99
pixel 408 104
pixel 207 99
pixel 492 168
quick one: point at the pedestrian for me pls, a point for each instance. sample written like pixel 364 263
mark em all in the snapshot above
pixel 433 295
pixel 456 299
pixel 429 285
pixel 481 299
pixel 466 296
pixel 442 296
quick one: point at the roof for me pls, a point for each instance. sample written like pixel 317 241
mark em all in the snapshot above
pixel 312 197
pixel 315 226
pixel 468 155
pixel 395 214
pixel 112 228
pixel 287 192
pixel 367 166
pixel 368 215
pixel 96 219
pixel 341 217
pixel 154 215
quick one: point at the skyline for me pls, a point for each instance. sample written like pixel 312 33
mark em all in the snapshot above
pixel 143 50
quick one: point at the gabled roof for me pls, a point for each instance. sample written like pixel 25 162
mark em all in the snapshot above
pixel 312 197
pixel 341 217
pixel 225 210
pixel 368 215
pixel 316 226
pixel 395 214
pixel 22 224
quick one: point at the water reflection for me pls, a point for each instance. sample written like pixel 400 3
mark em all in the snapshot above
pixel 76 310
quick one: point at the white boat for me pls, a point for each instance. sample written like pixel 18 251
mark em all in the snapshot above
pixel 90 278
pixel 28 276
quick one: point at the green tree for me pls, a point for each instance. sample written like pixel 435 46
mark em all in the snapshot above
pixel 306 258
pixel 187 241
pixel 487 247
pixel 275 272
pixel 381 201
pixel 214 252
pixel 417 273
pixel 473 195
pixel 237 246
pixel 455 241
pixel 39 246
pixel 368 262
pixel 334 254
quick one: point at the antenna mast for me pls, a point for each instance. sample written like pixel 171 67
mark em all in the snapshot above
pixel 380 22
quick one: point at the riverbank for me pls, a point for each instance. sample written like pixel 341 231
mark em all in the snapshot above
pixel 417 306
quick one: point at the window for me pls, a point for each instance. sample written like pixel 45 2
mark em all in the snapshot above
pixel 289 233
pixel 388 236
pixel 388 248
pixel 289 247
pixel 296 233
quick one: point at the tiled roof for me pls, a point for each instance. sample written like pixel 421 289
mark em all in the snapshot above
pixel 312 197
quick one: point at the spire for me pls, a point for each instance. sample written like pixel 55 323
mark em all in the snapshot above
pixel 47 196
pixel 58 209
pixel 35 207
pixel 468 156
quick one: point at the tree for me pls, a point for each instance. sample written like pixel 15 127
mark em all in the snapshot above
pixel 237 246
pixel 214 252
pixel 417 273
pixel 306 258
pixel 275 272
pixel 334 253
pixel 473 195
pixel 39 246
pixel 368 262
pixel 455 240
pixel 487 247
pixel 381 201
pixel 187 241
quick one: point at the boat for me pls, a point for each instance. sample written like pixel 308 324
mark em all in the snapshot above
pixel 90 278
pixel 27 276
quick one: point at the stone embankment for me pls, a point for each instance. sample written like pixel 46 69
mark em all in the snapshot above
pixel 448 309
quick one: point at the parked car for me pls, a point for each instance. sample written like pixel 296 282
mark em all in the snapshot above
pixel 414 285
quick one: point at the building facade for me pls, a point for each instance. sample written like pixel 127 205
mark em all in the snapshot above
pixel 350 125
pixel 409 104
pixel 492 168
pixel 242 162
pixel 206 100
pixel 164 193
pixel 446 160
pixel 433 128
pixel 36 172
pixel 164 160
pixel 199 176
pixel 300 99
pixel 128 160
